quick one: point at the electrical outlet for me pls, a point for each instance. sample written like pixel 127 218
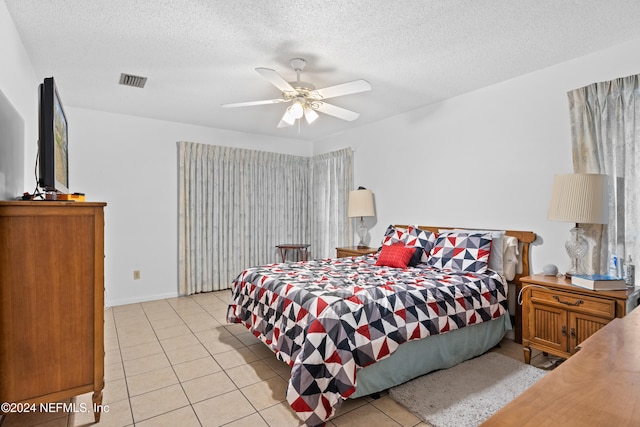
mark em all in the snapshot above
pixel 136 274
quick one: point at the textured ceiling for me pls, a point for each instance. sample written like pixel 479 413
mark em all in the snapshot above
pixel 199 54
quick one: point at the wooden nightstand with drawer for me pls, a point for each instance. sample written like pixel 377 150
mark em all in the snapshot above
pixel 557 316
pixel 354 251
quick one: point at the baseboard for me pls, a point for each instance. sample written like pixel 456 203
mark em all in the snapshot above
pixel 135 300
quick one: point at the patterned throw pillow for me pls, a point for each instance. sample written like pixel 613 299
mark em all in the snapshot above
pixel 423 239
pixel 496 258
pixel 396 255
pixel 461 251
pixel 393 235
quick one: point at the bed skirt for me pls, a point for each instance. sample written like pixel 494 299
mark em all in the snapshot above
pixel 419 357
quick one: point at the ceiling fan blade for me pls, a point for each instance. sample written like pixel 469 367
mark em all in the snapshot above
pixel 275 79
pixel 246 104
pixel 338 112
pixel 344 89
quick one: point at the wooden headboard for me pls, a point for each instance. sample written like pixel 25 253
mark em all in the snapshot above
pixel 525 238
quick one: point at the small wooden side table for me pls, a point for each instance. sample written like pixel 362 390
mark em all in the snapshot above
pixel 557 316
pixel 302 249
pixel 348 251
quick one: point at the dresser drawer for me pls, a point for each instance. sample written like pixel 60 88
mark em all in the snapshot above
pixel 578 303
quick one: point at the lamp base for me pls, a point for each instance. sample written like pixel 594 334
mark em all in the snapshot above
pixel 576 247
pixel 362 232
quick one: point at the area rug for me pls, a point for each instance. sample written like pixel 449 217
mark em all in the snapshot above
pixel 466 394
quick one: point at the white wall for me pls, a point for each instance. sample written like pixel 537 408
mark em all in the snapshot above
pixel 20 86
pixel 484 159
pixel 132 164
pixel 128 162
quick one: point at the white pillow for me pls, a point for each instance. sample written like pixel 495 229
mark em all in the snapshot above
pixel 510 255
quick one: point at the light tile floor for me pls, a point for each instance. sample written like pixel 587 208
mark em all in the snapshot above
pixel 176 362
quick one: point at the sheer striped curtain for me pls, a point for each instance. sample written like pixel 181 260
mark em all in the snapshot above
pixel 235 205
pixel 605 128
pixel 332 179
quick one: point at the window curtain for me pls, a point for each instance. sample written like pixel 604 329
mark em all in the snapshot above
pixel 605 128
pixel 235 205
pixel 332 179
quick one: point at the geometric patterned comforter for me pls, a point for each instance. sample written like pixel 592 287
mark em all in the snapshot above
pixel 328 318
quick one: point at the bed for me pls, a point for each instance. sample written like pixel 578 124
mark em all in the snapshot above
pixel 430 298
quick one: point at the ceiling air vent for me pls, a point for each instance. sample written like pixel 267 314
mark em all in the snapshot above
pixel 131 80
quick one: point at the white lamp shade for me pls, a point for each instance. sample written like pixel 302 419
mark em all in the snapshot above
pixel 287 119
pixel 296 110
pixel 310 115
pixel 360 204
pixel 579 198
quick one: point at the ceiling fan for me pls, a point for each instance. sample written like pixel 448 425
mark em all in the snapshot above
pixel 305 99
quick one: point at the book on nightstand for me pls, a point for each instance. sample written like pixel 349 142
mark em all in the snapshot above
pixel 598 282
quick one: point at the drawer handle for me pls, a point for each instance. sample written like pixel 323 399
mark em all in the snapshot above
pixel 575 304
pixel 564 331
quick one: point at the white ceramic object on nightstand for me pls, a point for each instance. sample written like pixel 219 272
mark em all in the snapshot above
pixel 550 270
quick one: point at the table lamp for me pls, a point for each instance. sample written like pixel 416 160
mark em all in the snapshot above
pixel 579 198
pixel 361 205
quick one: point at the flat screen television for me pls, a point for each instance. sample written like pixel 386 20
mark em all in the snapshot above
pixel 53 140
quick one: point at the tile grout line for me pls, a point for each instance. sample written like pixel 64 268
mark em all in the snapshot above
pixel 225 371
pixel 172 369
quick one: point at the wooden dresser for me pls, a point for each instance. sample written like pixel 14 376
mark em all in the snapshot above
pixel 51 301
pixel 596 387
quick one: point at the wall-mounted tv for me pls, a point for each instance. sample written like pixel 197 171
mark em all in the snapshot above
pixel 53 141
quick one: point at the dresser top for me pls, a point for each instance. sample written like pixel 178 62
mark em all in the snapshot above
pixel 49 203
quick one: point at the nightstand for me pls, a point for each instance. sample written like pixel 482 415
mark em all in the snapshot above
pixel 557 316
pixel 354 251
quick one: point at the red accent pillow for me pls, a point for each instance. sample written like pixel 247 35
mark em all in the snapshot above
pixel 397 255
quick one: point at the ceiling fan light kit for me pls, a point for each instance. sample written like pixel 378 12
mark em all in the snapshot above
pixel 304 97
pixel 287 119
pixel 310 115
pixel 297 109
